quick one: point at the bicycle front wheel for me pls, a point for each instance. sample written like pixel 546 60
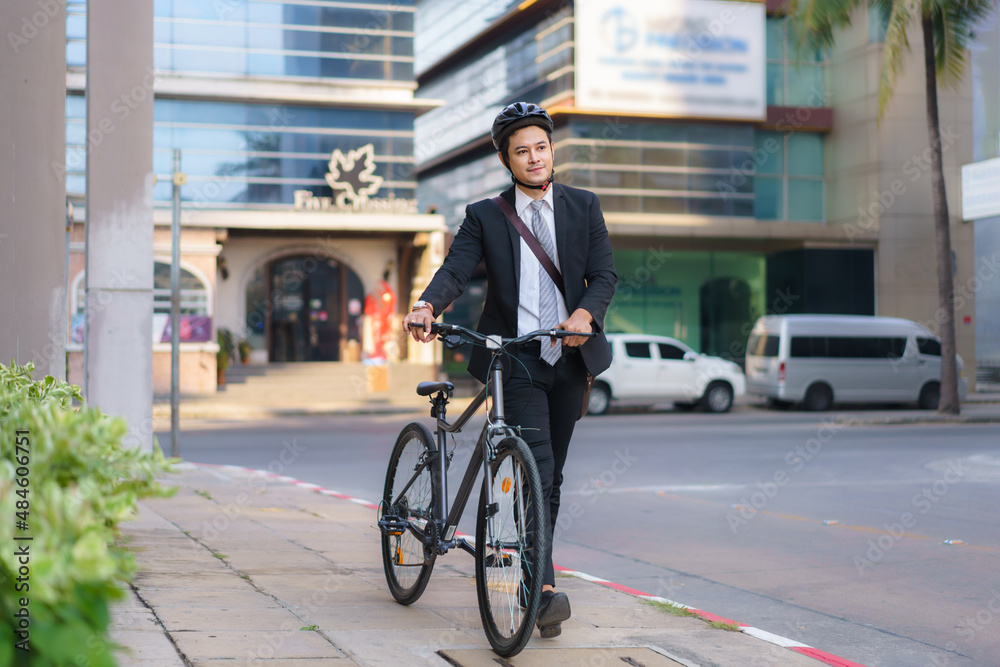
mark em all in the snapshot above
pixel 409 496
pixel 511 536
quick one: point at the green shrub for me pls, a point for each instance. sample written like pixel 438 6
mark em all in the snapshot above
pixel 66 488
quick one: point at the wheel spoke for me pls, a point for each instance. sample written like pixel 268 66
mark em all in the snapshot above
pixel 409 497
pixel 510 555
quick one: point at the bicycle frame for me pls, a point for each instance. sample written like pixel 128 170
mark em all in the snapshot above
pixel 445 521
pixel 482 455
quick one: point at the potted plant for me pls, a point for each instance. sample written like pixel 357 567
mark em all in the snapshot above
pixel 244 350
pixel 225 353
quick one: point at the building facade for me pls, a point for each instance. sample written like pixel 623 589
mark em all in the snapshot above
pixel 737 177
pixel 294 123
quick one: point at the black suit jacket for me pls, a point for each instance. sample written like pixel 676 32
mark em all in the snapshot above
pixel 585 260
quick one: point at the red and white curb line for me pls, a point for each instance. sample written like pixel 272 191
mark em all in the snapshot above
pixel 777 640
pixel 769 637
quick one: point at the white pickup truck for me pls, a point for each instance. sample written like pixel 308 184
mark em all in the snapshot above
pixel 656 369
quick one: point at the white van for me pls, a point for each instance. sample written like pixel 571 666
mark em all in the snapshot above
pixel 821 359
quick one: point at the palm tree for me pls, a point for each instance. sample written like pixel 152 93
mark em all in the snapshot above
pixel 947 28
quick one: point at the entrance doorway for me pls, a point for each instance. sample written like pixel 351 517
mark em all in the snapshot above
pixel 315 309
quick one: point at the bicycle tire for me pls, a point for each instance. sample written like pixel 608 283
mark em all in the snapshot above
pixel 407 563
pixel 510 548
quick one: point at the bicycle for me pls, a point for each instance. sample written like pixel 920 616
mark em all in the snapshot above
pixel 511 532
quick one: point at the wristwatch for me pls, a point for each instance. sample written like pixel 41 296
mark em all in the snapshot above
pixel 423 304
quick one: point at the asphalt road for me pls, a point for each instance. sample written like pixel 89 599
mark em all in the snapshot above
pixel 831 535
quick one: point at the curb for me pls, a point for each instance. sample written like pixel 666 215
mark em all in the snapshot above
pixel 777 640
pixel 771 638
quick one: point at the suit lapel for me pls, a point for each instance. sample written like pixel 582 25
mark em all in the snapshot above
pixel 515 238
pixel 562 228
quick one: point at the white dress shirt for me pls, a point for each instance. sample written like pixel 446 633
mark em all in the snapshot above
pixel 527 311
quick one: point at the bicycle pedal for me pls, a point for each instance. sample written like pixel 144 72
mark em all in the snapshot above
pixel 392 525
pixel 503 560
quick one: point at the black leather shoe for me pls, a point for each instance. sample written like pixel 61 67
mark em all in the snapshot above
pixel 552 611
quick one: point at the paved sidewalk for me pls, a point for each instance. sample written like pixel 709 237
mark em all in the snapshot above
pixel 240 568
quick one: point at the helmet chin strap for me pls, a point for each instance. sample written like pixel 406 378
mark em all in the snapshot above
pixel 543 187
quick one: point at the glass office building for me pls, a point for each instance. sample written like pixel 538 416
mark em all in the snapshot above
pixel 728 190
pixel 294 122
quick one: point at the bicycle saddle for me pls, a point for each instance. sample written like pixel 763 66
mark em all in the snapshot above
pixel 428 388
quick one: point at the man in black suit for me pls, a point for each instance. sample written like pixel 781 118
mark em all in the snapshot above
pixel 522 297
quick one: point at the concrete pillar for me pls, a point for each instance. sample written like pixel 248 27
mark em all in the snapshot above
pixel 119 275
pixel 33 320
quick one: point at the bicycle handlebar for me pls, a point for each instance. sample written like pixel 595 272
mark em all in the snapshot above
pixel 444 328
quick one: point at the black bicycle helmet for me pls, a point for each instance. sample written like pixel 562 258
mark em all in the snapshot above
pixel 512 118
pixel 515 116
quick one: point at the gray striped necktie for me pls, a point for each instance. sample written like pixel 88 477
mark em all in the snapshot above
pixel 548 310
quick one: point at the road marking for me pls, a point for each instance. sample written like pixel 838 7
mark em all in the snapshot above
pixel 784 642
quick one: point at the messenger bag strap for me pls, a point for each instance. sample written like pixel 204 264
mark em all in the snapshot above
pixel 532 242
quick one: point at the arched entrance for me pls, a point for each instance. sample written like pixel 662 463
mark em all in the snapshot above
pixel 305 308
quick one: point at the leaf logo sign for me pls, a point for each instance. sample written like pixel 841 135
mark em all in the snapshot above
pixel 354 173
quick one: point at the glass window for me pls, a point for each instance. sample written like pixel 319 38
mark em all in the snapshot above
pixel 769 153
pixel 805 200
pixel 664 181
pixel 76 26
pixel 668 351
pixel 768 203
pixel 780 190
pixel 706 300
pixel 663 157
pixel 848 347
pixel 805 154
pixel 929 346
pixel 878 23
pixel 194 294
pixel 775 38
pixel 805 85
pixel 720 159
pixel 793 78
pixel 776 84
pixel 763 346
pixel 638 350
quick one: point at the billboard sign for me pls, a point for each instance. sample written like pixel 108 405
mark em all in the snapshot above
pixel 690 58
pixel 981 189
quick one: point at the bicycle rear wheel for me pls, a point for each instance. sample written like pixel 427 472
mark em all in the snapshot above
pixel 410 495
pixel 511 537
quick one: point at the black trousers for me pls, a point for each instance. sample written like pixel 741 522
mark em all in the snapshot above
pixel 545 401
